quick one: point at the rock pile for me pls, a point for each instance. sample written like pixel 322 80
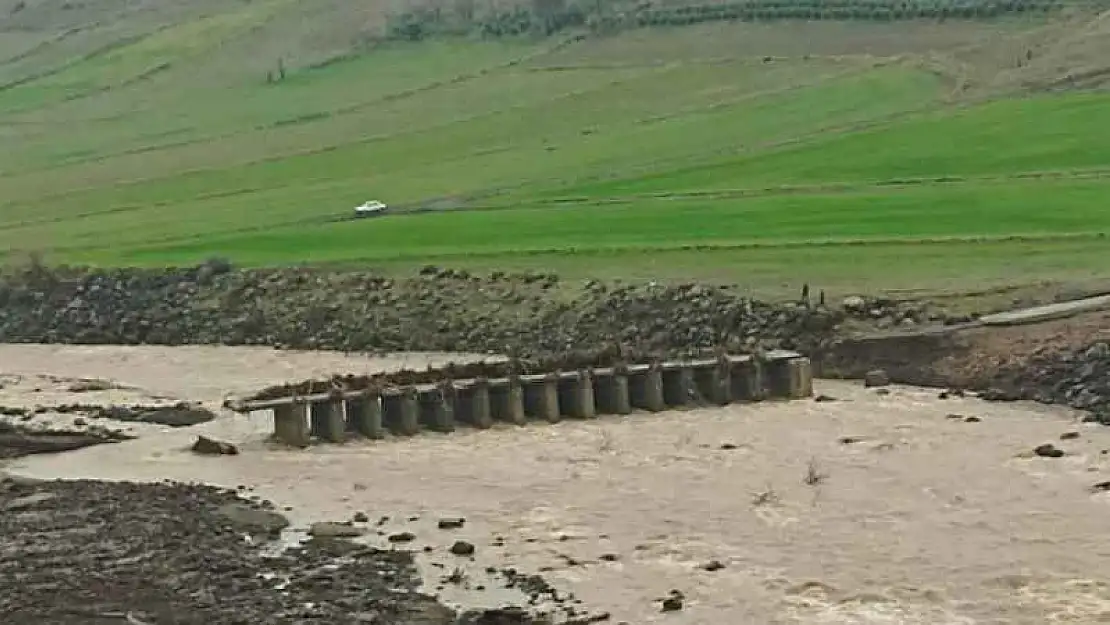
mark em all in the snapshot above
pixel 1080 379
pixel 442 310
pixel 885 312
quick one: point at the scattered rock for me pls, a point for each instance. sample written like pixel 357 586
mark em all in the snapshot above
pixel 402 537
pixel 89 386
pixel 853 303
pixel 451 523
pixel 876 378
pixel 850 440
pixel 361 517
pixel 675 602
pixel 1067 436
pixel 252 520
pixel 729 446
pixel 213 447
pixel 1048 450
pixel 713 565
pixel 462 548
pixel 329 529
pixel 972 419
pixel 609 557
pixel 824 398
pixel 1101 487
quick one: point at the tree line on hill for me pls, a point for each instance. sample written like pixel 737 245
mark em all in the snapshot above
pixel 548 17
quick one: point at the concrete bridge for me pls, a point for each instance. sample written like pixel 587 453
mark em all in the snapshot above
pixel 550 397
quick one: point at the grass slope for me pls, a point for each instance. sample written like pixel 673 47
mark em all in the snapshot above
pixel 850 156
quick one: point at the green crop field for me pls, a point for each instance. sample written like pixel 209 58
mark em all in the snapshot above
pixel 855 147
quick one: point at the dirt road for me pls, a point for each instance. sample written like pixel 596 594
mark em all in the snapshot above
pixel 884 506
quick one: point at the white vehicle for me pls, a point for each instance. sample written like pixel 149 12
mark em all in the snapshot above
pixel 372 208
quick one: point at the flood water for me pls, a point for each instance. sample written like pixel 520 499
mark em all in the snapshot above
pixel 874 508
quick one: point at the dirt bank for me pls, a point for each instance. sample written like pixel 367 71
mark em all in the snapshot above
pixel 1063 361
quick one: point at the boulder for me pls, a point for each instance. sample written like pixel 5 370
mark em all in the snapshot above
pixel 212 447
pixel 875 378
pixel 329 529
pixel 252 520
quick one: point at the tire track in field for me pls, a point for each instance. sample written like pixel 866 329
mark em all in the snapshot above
pixel 216 246
pixel 820 188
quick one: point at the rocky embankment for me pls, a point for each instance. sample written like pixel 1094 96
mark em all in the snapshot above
pixel 439 310
pixel 1076 378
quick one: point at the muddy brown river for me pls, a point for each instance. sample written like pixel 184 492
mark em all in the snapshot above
pixel 888 506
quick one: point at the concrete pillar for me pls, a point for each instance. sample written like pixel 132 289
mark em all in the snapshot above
pixel 711 377
pixel 326 421
pixel 506 399
pixel 576 395
pixel 645 387
pixel 364 416
pixel 472 403
pixel 435 408
pixel 789 375
pixel 747 378
pixel 611 391
pixel 291 424
pixel 801 378
pixel 331 420
pixel 678 384
pixel 541 397
pixel 401 411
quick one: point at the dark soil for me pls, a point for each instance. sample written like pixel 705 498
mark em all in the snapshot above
pixel 94 553
pixel 178 415
pixel 18 440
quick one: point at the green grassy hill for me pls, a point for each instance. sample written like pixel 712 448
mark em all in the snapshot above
pixel 853 154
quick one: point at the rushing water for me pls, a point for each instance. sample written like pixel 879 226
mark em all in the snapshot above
pixel 871 509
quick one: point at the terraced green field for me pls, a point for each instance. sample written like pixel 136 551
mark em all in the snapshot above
pixel 849 156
